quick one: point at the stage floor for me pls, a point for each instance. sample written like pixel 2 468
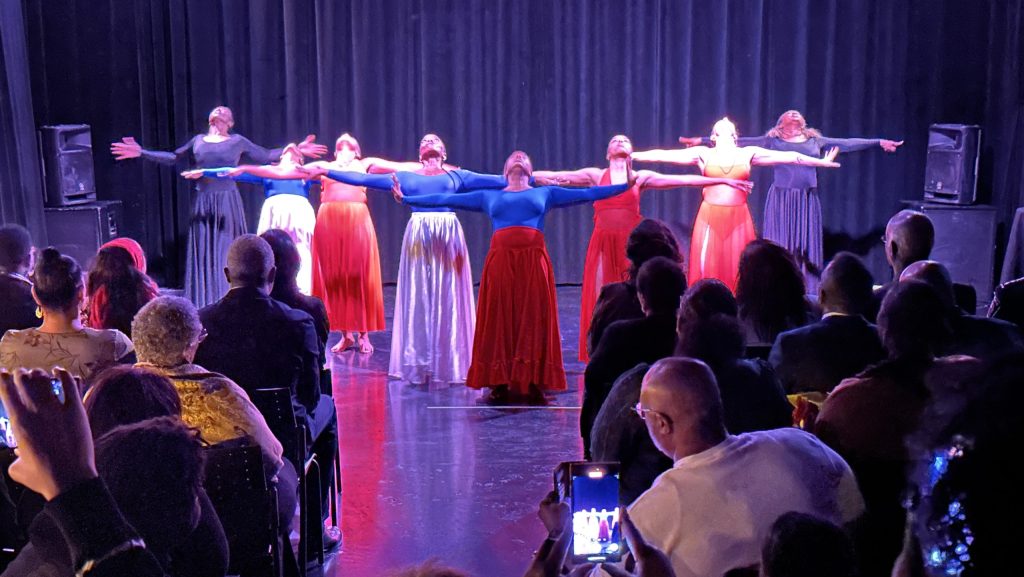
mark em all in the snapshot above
pixel 430 474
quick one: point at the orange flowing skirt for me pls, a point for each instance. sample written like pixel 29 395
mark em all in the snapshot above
pixel 517 342
pixel 606 263
pixel 720 233
pixel 346 267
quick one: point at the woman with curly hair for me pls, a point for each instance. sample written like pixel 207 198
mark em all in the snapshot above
pixel 770 293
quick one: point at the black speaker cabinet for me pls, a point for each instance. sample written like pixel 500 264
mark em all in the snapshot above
pixel 951 169
pixel 80 230
pixel 965 241
pixel 66 151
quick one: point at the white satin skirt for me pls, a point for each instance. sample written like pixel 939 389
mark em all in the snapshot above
pixel 435 314
pixel 293 214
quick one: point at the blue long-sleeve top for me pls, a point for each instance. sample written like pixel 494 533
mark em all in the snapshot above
pixel 526 207
pixel 271 186
pixel 801 175
pixel 451 182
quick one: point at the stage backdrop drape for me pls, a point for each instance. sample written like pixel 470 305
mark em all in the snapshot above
pixel 556 79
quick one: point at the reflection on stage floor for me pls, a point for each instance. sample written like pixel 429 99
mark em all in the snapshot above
pixel 429 473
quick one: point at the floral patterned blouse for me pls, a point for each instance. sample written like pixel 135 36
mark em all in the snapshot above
pixel 82 353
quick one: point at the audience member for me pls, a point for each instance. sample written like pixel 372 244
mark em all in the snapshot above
pixel 1008 303
pixel 660 283
pixel 133 248
pixel 909 236
pixel 116 290
pixel 261 343
pixel 816 357
pixel 714 509
pixel 802 545
pixel 964 514
pixel 750 392
pixel 618 301
pixel 286 288
pixel 56 460
pixel 17 307
pixel 975 336
pixel 61 340
pixel 770 293
pixel 867 419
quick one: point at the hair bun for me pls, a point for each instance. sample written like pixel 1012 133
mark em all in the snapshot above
pixel 50 255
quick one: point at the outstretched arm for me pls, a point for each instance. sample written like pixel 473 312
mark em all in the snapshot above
pixel 855 144
pixel 383 166
pixel 378 181
pixel 706 141
pixel 764 157
pixel 474 201
pixel 128 148
pixel 651 179
pixel 474 181
pixel 675 156
pixel 581 177
pixel 559 196
pixel 222 172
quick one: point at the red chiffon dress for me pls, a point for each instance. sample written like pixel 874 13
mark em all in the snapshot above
pixel 723 226
pixel 346 260
pixel 614 219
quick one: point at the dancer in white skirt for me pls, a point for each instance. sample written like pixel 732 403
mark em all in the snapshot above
pixel 287 205
pixel 435 315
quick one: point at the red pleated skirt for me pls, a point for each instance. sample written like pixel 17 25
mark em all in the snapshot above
pixel 720 233
pixel 346 267
pixel 606 263
pixel 517 342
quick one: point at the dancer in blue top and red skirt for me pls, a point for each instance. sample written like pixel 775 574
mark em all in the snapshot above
pixel 517 349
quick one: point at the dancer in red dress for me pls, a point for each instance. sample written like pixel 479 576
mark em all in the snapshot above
pixel 346 258
pixel 615 218
pixel 723 226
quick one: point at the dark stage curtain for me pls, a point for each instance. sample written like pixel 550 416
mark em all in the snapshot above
pixel 556 79
pixel 21 192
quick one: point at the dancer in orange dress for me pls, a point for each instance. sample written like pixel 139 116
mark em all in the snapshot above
pixel 615 218
pixel 723 226
pixel 346 259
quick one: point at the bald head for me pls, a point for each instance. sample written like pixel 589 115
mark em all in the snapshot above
pixel 934 274
pixel 250 263
pixel 684 392
pixel 909 237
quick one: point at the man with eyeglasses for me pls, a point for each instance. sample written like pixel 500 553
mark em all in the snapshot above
pixel 712 510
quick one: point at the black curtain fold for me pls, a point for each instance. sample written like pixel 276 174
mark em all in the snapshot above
pixel 556 79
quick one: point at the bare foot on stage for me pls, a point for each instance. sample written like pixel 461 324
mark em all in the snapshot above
pixel 346 343
pixel 364 345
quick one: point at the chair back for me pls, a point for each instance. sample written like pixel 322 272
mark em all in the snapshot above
pixel 237 486
pixel 276 407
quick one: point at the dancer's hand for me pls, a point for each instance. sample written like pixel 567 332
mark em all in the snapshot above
pixel 55 450
pixel 688 141
pixel 830 157
pixel 308 147
pixel 234 172
pixel 890 145
pixel 310 172
pixel 396 189
pixel 126 149
pixel 741 185
pixel 192 174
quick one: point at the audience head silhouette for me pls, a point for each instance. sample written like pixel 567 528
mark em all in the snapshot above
pixel 935 275
pixel 649 239
pixel 913 321
pixel 708 297
pixel 682 407
pixel 167 331
pixel 15 249
pixel 909 237
pixel 123 395
pixel 286 259
pixel 660 284
pixel 250 263
pixel 770 290
pixel 802 545
pixel 845 285
pixel 57 282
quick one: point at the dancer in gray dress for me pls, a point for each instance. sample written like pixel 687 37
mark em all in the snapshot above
pixel 217 213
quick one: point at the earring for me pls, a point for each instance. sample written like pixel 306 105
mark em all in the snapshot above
pixel 39 312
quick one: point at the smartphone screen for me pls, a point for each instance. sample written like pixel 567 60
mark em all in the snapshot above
pixel 6 434
pixel 594 500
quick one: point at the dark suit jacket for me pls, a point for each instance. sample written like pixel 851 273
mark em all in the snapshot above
pixel 816 357
pixel 752 398
pixel 983 338
pixel 261 343
pixel 17 309
pixel 625 344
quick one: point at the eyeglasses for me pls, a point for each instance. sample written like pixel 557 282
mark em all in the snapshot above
pixel 642 412
pixel 202 336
